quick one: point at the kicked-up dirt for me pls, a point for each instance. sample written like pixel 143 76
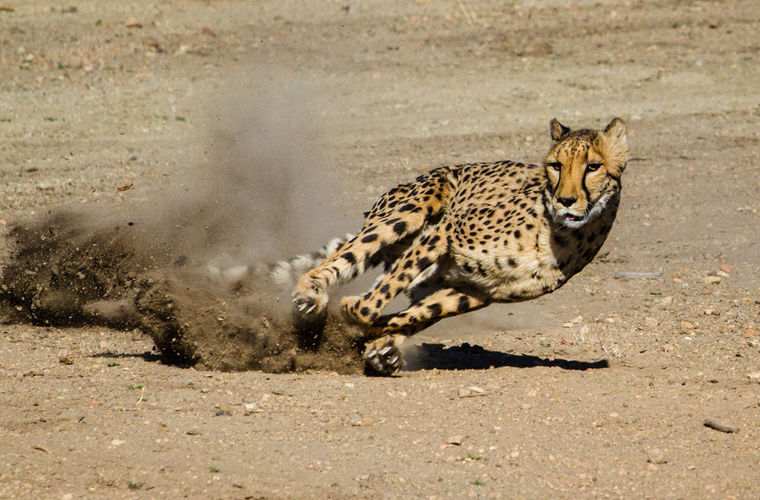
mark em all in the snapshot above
pixel 156 154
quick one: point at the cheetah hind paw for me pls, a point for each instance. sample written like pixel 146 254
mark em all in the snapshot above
pixel 383 356
pixel 349 308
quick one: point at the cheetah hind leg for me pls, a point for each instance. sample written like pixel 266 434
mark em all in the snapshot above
pixel 418 263
pixel 383 355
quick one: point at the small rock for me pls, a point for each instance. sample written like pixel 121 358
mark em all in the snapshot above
pixel 117 442
pixel 133 23
pixel 656 456
pixel 455 440
pixel 712 312
pixel 356 419
pixel 721 427
pixel 754 376
pixel 193 432
pixel 713 280
pixel 687 325
pixel 471 392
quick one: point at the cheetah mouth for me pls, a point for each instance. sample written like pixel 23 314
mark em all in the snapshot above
pixel 571 217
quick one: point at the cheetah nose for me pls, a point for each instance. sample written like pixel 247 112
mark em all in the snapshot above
pixel 567 201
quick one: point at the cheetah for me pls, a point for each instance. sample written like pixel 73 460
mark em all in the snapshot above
pixel 459 238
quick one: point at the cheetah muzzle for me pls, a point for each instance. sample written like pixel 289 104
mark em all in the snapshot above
pixel 459 238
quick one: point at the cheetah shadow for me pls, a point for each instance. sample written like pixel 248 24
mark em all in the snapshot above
pixel 474 357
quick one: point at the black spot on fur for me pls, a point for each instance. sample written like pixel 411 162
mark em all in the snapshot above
pixel 464 304
pixel 435 309
pixel 369 238
pixel 349 257
pixel 399 227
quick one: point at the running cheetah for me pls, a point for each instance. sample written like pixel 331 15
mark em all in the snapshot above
pixel 461 237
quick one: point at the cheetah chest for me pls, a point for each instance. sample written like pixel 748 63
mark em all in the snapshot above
pixel 504 250
pixel 515 254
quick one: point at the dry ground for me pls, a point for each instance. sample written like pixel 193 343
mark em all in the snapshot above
pixel 600 389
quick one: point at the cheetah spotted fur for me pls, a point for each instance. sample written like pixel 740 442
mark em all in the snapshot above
pixel 459 238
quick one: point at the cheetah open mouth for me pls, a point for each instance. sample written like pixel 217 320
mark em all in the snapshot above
pixel 570 219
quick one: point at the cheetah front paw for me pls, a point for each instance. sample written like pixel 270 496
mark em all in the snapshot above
pixel 383 356
pixel 309 299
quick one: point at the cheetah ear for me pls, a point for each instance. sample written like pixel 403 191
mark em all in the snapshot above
pixel 616 131
pixel 616 139
pixel 557 130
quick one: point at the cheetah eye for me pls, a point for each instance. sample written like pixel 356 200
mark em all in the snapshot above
pixel 593 167
pixel 555 165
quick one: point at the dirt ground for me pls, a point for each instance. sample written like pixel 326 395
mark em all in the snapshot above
pixel 601 389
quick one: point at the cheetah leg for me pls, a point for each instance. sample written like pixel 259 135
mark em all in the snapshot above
pixel 423 254
pixel 350 260
pixel 383 354
pixel 400 213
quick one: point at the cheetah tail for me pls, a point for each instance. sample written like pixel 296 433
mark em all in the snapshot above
pixel 285 273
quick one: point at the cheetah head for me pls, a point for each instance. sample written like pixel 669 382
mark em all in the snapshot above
pixel 583 169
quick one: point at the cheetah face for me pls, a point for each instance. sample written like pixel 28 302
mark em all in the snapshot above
pixel 583 170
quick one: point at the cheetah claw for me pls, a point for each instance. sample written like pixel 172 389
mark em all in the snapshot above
pixel 383 356
pixel 305 306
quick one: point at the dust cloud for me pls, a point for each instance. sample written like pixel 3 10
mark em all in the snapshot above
pixel 186 264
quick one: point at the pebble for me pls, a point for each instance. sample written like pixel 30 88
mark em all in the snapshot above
pixel 455 440
pixel 356 419
pixel 133 23
pixel 754 376
pixel 718 426
pixel 656 456
pixel 471 392
pixel 713 280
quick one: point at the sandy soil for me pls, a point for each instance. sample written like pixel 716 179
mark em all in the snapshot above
pixel 600 389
